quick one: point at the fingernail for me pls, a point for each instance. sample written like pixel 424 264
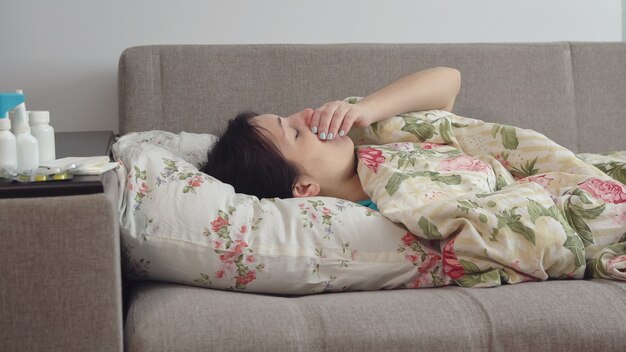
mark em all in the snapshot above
pixel 330 136
pixel 322 135
pixel 342 133
pixel 314 129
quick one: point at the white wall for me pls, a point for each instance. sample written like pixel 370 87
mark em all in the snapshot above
pixel 64 53
pixel 624 20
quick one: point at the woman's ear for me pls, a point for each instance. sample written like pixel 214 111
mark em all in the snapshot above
pixel 305 187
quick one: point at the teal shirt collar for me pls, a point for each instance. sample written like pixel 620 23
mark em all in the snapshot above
pixel 368 203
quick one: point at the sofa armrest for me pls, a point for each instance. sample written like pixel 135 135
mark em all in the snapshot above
pixel 60 274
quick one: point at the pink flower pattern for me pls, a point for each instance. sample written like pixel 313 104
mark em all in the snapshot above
pixel 611 264
pixel 248 277
pixel 608 191
pixel 463 163
pixel 427 145
pixel 195 181
pixel 451 264
pixel 503 159
pixel 543 180
pixel 136 182
pixel 233 250
pixel 371 158
pixel 429 264
pixel 427 261
pixel 218 223
pixel 315 212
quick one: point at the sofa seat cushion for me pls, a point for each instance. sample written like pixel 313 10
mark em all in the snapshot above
pixel 552 315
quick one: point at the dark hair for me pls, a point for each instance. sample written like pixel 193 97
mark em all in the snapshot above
pixel 248 160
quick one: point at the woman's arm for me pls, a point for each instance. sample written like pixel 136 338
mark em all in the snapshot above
pixel 432 89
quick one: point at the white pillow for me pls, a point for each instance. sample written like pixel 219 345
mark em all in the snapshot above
pixel 180 225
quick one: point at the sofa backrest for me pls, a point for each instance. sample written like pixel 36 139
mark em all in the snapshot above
pixel 572 92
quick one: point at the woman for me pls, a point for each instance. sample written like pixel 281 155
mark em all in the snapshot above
pixel 507 204
pixel 309 153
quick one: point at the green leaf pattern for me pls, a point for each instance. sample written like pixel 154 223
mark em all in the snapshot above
pixel 138 185
pixel 190 176
pixel 508 135
pixel 506 231
pixel 316 212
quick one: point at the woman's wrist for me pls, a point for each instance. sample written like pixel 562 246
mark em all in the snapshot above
pixel 369 113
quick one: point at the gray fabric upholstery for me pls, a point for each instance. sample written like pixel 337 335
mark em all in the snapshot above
pixel 560 89
pixel 546 316
pixel 600 90
pixel 60 274
pixel 197 88
pixel 554 88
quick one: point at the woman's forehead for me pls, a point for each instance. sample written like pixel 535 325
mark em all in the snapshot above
pixel 268 121
pixel 272 124
pixel 265 116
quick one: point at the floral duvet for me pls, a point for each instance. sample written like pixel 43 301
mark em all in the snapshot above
pixel 503 204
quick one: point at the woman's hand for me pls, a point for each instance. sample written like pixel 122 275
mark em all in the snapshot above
pixel 335 118
pixel 430 89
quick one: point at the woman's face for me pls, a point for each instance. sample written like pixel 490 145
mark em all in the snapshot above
pixel 326 162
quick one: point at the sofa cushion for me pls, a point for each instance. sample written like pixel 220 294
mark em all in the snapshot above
pixel 600 90
pixel 548 316
pixel 196 88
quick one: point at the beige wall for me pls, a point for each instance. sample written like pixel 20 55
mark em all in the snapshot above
pixel 64 53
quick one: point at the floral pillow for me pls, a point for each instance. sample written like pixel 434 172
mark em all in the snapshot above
pixel 180 225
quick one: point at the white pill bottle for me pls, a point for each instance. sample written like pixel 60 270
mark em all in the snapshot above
pixel 27 145
pixel 40 128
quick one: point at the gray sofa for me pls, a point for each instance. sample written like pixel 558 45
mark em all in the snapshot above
pixel 573 92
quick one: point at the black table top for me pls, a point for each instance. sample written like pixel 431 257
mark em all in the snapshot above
pixel 93 143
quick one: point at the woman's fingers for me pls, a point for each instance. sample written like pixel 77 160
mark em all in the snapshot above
pixel 338 120
pixel 315 120
pixel 334 119
pixel 323 116
pixel 320 119
pixel 346 124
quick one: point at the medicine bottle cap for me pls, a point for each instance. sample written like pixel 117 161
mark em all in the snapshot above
pixel 39 117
